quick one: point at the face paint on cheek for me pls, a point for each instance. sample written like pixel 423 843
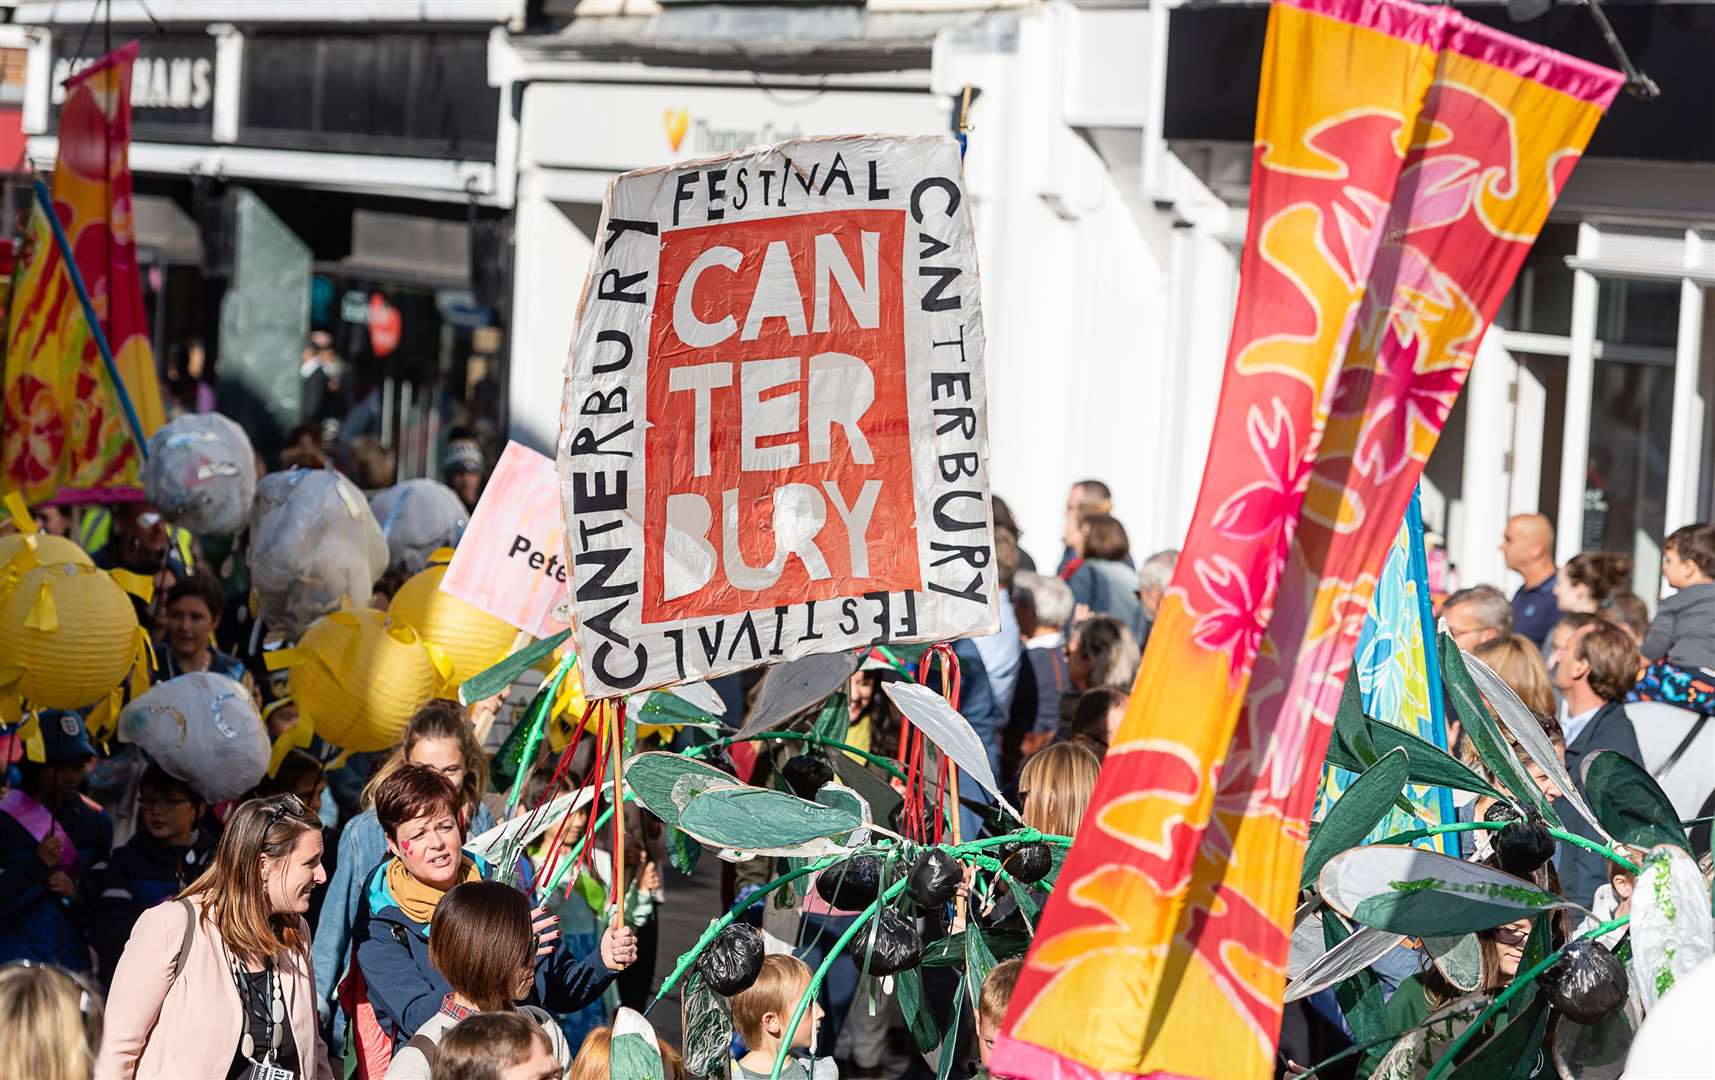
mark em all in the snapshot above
pixel 405 846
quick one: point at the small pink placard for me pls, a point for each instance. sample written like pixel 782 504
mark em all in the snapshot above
pixel 511 561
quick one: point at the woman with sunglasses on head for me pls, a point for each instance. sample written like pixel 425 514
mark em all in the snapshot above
pixel 439 736
pixel 219 984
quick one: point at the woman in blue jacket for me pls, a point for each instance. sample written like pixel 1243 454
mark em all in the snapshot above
pixel 418 812
pixel 439 736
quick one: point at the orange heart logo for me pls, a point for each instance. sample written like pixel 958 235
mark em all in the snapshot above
pixel 676 121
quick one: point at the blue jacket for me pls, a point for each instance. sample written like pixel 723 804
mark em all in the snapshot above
pixel 362 847
pixel 406 990
pixel 36 924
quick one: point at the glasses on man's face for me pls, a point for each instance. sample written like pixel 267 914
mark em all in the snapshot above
pixel 156 803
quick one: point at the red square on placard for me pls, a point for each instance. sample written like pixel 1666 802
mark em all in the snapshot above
pixel 829 324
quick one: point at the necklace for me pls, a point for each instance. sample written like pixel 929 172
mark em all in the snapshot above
pixel 276 1009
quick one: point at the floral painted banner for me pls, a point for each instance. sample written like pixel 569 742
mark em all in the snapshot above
pixel 1399 681
pixel 1406 158
pixel 63 432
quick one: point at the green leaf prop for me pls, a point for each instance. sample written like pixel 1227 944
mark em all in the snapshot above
pixel 950 950
pixel 664 782
pixel 1351 741
pixel 1421 893
pixel 839 797
pixel 1429 763
pixel 706 1020
pixel 1364 802
pixel 950 1045
pixel 1362 998
pixel 1629 803
pixel 1671 926
pixel 834 719
pixel 1510 1053
pixel 871 783
pixel 1517 718
pixel 1485 734
pixel 978 960
pixel 765 822
pixel 486 684
pixel 633 1054
pixel 1344 957
pixel 1459 960
pixel 682 851
pixel 665 707
pixel 908 988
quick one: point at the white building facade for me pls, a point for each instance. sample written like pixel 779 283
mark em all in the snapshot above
pixel 1108 168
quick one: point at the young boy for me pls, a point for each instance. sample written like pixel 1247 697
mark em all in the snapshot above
pixel 761 1014
pixel 1680 646
pixel 992 1001
pixel 169 850
pixel 1683 632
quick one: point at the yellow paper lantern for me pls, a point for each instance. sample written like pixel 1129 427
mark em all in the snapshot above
pixel 472 639
pixel 22 552
pixel 68 638
pixel 358 675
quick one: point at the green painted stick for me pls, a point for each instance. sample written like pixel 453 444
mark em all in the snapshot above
pixel 1496 826
pixel 798 736
pixel 527 760
pixel 1445 1062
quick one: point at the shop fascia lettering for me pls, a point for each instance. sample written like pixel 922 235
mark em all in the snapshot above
pixel 158 82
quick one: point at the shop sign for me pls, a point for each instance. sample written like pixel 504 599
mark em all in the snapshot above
pixel 172 81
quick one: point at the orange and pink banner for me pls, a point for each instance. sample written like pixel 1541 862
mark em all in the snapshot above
pixel 1406 158
pixel 63 432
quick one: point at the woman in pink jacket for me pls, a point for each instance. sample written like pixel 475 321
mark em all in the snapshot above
pixel 219 984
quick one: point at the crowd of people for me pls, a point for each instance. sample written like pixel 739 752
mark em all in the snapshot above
pixel 333 920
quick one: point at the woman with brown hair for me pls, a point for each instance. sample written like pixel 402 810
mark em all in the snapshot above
pixel 1105 583
pixel 482 942
pixel 1589 581
pixel 220 984
pixel 439 736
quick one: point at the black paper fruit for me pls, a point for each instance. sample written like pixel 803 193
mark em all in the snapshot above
pixel 1028 863
pixel 806 773
pixel 897 946
pixel 1524 844
pixel 733 959
pixel 852 885
pixel 1587 983
pixel 934 878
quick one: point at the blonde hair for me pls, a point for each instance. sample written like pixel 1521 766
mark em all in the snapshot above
pixel 1519 664
pixel 997 991
pixel 782 980
pixel 591 1062
pixel 54 1023
pixel 235 897
pixel 1057 782
pixel 439 718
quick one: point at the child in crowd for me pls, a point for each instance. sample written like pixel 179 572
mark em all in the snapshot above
pixel 170 849
pixel 496 1046
pixel 595 1055
pixel 1680 646
pixel 992 1001
pixel 761 1014
pixel 1613 900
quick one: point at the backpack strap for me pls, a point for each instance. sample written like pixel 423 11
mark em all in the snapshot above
pixel 184 942
pixel 425 1046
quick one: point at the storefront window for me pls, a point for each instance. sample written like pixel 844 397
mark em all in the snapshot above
pixel 1541 298
pixel 1631 422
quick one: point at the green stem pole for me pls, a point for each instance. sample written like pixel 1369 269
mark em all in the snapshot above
pixel 1495 826
pixel 827 963
pixel 798 736
pixel 539 723
pixel 1445 1062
